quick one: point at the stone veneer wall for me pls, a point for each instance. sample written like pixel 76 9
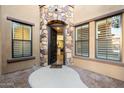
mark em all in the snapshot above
pixel 65 14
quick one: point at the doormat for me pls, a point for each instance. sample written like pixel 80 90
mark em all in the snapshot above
pixel 56 66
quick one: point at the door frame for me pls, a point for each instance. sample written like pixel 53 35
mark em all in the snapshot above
pixel 49 48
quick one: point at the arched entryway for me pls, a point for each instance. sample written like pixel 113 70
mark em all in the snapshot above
pixel 56 42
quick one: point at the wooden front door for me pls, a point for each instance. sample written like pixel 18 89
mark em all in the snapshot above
pixel 52 54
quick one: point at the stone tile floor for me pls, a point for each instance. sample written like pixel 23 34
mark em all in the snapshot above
pixel 95 80
pixel 19 79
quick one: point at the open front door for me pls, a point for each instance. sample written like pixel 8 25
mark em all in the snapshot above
pixel 52 54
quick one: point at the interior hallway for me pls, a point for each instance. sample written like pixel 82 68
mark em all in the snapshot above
pixel 60 46
pixel 60 59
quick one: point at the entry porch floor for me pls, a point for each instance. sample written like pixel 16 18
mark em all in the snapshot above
pixel 19 79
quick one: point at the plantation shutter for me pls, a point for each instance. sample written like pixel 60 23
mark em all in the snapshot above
pixel 101 39
pixel 85 40
pixel 27 42
pixel 21 40
pixel 82 40
pixel 108 38
pixel 78 41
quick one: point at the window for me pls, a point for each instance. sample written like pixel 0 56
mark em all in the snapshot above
pixel 21 41
pixel 82 40
pixel 108 38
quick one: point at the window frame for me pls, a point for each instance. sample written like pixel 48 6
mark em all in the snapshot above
pixel 31 41
pixel 82 40
pixel 121 27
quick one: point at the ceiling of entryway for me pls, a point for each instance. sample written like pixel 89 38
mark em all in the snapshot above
pixel 59 29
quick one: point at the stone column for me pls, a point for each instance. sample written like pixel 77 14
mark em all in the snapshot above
pixel 47 14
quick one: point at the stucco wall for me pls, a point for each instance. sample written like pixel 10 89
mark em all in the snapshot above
pixel 111 70
pixel 102 68
pixel 26 13
pixel 0 43
pixel 86 12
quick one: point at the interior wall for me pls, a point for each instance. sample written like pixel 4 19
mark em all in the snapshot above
pixel 110 69
pixel 60 40
pixel 91 11
pixel 29 13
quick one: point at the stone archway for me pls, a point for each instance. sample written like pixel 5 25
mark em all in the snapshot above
pixel 56 22
pixel 63 14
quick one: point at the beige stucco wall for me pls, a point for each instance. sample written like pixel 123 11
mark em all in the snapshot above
pixel 26 13
pixel 111 70
pixel 102 68
pixel 0 44
pixel 86 12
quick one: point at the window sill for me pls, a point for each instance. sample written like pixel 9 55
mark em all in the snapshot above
pixel 117 63
pixel 14 60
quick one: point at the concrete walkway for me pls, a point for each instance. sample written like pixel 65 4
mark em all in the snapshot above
pixel 64 77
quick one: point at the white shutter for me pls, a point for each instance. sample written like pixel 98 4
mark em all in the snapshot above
pixel 108 38
pixel 82 40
